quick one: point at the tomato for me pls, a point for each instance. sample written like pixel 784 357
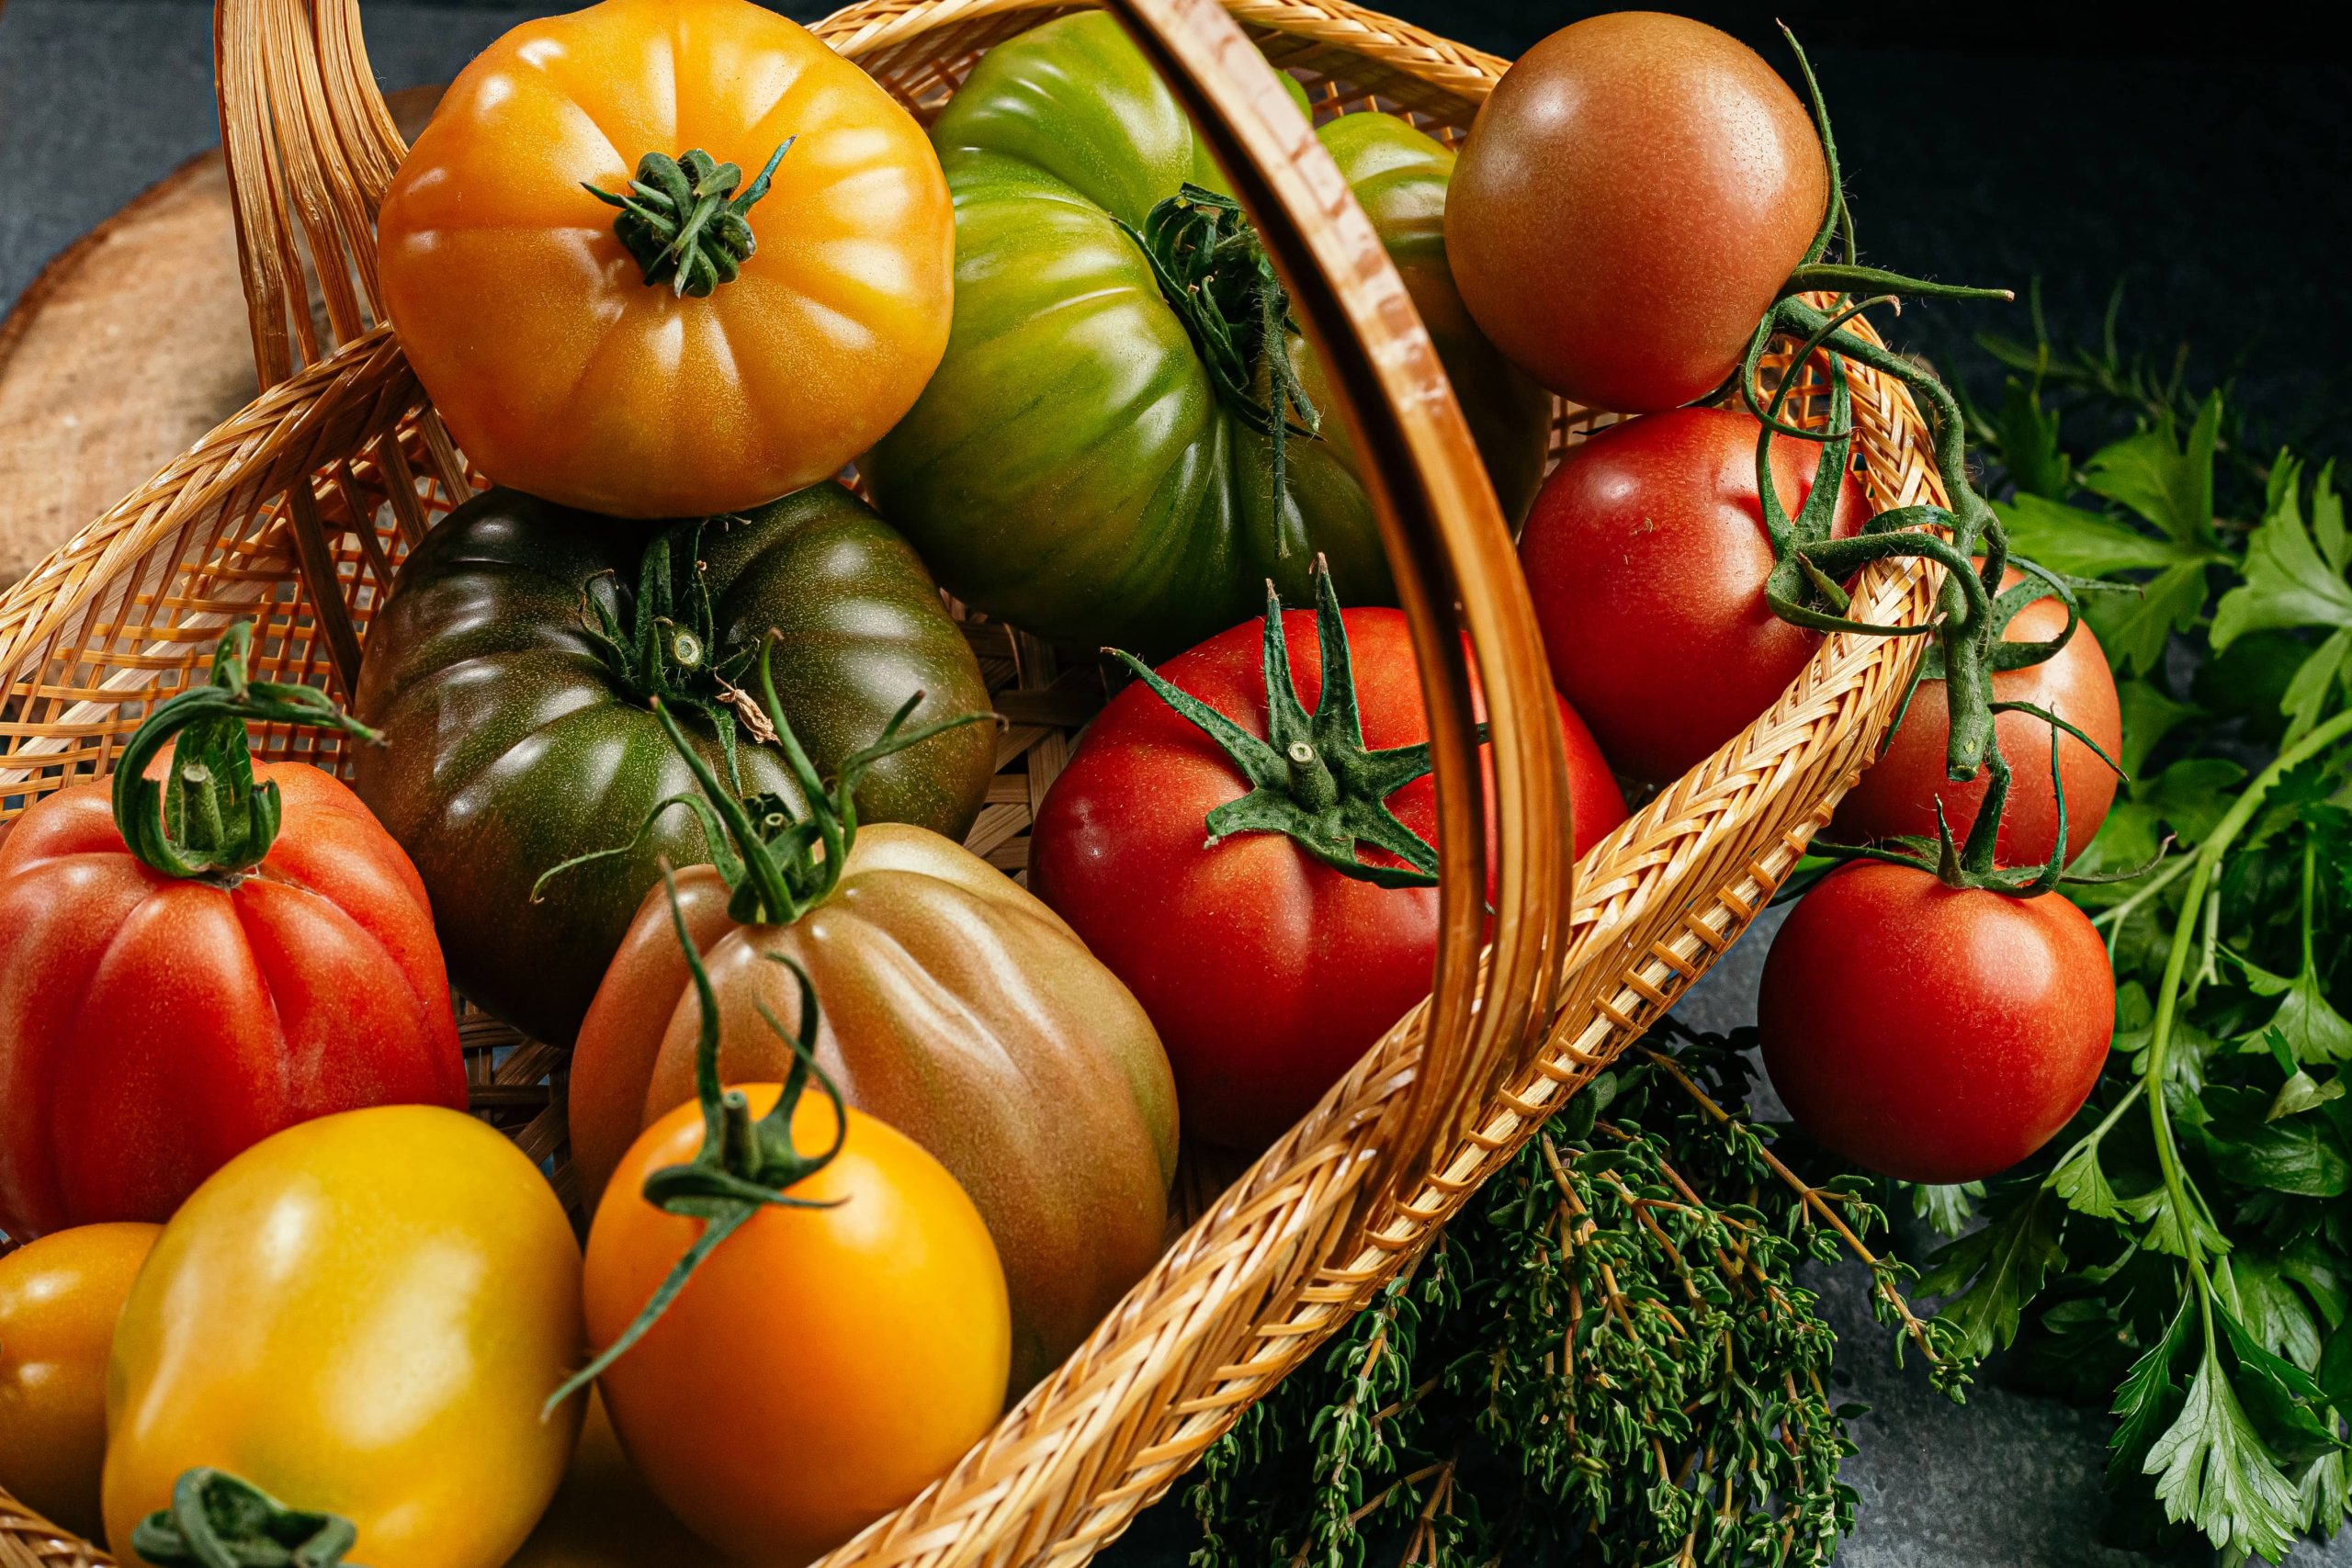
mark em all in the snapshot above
pixel 1632 197
pixel 1897 794
pixel 59 1300
pixel 561 366
pixel 518 740
pixel 1078 466
pixel 1933 1034
pixel 361 1316
pixel 960 1009
pixel 1646 554
pixel 1267 971
pixel 823 1364
pixel 164 1001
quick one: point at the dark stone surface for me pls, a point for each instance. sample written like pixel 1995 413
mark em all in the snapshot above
pixel 2214 183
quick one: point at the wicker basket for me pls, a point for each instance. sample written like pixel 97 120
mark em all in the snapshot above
pixel 336 470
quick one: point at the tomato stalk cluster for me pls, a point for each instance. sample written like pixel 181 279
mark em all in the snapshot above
pixel 682 223
pixel 218 1521
pixel 1313 778
pixel 779 862
pixel 206 817
pixel 1806 586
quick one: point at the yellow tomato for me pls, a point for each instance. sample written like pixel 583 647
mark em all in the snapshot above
pixel 59 1300
pixel 560 367
pixel 823 1365
pixel 361 1316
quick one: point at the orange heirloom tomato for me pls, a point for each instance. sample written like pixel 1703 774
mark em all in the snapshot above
pixel 362 1315
pixel 59 1300
pixel 574 351
pixel 823 1365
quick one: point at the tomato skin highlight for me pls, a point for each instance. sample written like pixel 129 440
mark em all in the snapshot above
pixel 1929 1033
pixel 1266 972
pixel 1632 197
pixel 823 1365
pixel 558 370
pixel 1645 556
pixel 152 1027
pixel 361 1315
pixel 59 1299
pixel 1897 794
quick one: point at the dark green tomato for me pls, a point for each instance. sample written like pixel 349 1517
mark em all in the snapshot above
pixel 511 744
pixel 1073 467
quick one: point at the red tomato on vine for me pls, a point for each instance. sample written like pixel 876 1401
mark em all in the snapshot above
pixel 1897 794
pixel 1646 554
pixel 1269 955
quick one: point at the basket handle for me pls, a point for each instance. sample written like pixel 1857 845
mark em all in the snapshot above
pixel 1455 565
pixel 311 148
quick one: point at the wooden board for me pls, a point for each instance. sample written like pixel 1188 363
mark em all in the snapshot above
pixel 130 345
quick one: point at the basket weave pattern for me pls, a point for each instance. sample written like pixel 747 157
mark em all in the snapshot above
pixel 340 467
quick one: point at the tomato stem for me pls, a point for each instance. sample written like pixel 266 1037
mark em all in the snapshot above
pixel 1217 277
pixel 208 818
pixel 779 859
pixel 745 1164
pixel 219 1520
pixel 1312 778
pixel 682 223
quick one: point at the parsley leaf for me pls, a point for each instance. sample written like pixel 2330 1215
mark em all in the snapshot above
pixel 2294 577
pixel 2002 1267
pixel 2213 1471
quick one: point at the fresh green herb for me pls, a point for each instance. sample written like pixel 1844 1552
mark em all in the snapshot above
pixel 2186 1250
pixel 1606 1358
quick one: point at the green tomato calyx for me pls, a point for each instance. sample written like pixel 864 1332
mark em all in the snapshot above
pixel 206 817
pixel 1215 275
pixel 1312 777
pixel 745 1164
pixel 778 859
pixel 683 221
pixel 218 1521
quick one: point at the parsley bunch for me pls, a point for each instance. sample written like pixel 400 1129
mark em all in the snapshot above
pixel 1606 1358
pixel 2184 1247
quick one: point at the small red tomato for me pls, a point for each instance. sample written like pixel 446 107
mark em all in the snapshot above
pixel 1633 196
pixel 1646 556
pixel 1266 971
pixel 1898 792
pixel 1933 1034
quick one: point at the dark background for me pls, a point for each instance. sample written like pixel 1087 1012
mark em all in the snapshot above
pixel 2203 163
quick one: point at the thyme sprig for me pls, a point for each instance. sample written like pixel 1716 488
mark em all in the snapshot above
pixel 1607 1358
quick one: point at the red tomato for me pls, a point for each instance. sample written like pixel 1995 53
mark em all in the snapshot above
pixel 1266 972
pixel 1897 795
pixel 151 1026
pixel 1632 195
pixel 1646 555
pixel 1931 1033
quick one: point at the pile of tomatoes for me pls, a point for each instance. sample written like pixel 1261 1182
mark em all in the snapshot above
pixel 669 739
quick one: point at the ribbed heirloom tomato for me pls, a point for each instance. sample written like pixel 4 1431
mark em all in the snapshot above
pixel 1646 555
pixel 204 952
pixel 574 353
pixel 1269 955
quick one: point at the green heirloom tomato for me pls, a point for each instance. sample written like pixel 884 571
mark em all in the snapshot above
pixel 1096 458
pixel 510 673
